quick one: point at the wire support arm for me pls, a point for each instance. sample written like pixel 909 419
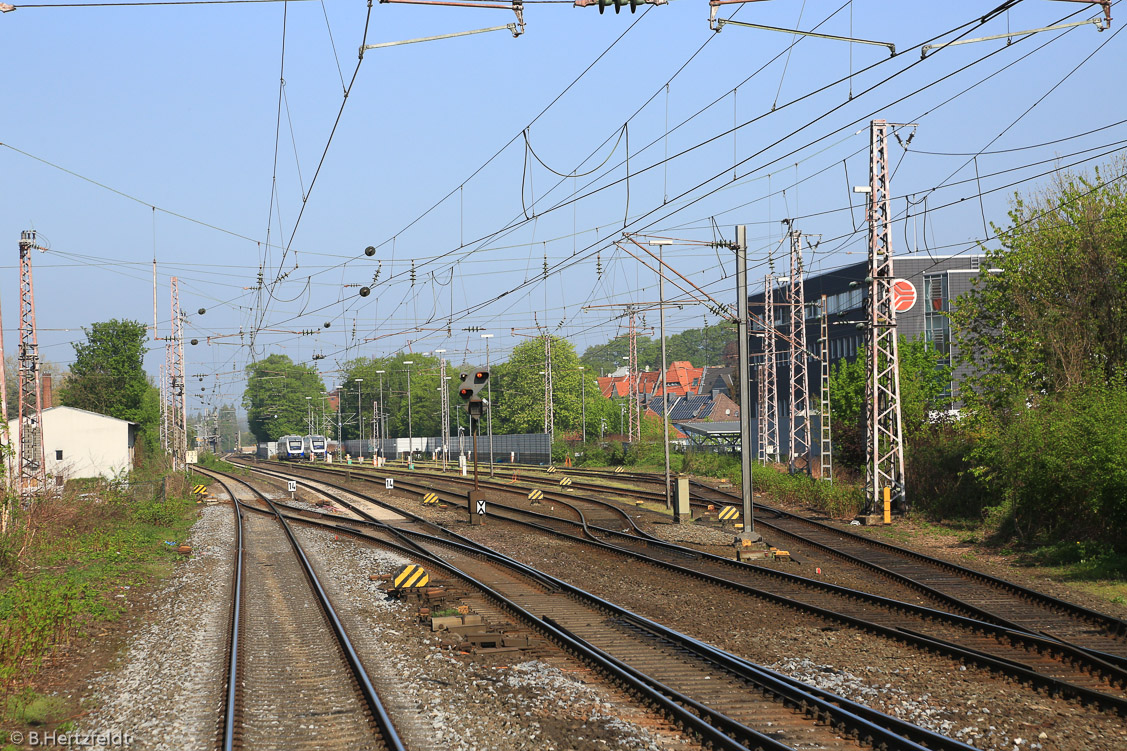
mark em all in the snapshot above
pixel 718 23
pixel 1097 22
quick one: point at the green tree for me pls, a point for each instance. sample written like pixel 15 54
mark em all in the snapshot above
pixel 1051 314
pixel 275 397
pixel 1045 333
pixel 924 390
pixel 425 412
pixel 108 375
pixel 701 347
pixel 519 390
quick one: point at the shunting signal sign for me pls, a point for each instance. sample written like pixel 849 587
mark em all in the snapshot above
pixel 430 499
pixel 535 494
pixel 618 470
pixel 411 575
pixel 566 481
pixel 728 513
pixel 200 490
pixel 551 469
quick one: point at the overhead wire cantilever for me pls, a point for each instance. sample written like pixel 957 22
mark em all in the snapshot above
pixel 517 7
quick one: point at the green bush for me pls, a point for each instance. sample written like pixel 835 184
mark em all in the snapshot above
pixel 1057 468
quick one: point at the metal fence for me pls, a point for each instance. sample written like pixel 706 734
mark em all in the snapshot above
pixel 528 448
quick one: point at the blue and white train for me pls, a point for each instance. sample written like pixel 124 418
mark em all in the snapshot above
pixel 291 447
pixel 315 446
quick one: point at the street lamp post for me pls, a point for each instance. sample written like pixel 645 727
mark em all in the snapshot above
pixel 444 400
pixel 664 373
pixel 489 413
pixel 383 419
pixel 360 419
pixel 410 427
pixel 583 391
pixel 309 406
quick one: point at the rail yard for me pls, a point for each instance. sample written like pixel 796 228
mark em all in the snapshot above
pixel 363 607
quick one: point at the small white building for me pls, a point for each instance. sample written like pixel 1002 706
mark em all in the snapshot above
pixel 79 443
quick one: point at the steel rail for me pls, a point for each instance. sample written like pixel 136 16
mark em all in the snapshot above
pixel 1092 661
pixel 390 735
pixel 1012 668
pixel 824 703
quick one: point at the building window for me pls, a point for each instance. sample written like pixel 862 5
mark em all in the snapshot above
pixel 937 326
pixel 58 455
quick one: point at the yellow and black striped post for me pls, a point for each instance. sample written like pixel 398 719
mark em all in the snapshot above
pixel 535 495
pixel 410 576
pixel 728 514
pixel 618 470
pixel 550 469
pixel 430 499
pixel 565 482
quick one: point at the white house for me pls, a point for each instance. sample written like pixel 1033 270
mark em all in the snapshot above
pixel 78 443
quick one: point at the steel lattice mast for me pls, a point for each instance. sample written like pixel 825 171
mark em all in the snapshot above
pixel 32 463
pixel 634 376
pixel 178 388
pixel 799 451
pixel 761 432
pixel 771 388
pixel 9 458
pixel 884 441
pixel 549 395
pixel 444 398
pixel 826 455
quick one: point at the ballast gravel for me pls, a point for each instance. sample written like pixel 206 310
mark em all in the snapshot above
pixel 442 698
pixel 167 691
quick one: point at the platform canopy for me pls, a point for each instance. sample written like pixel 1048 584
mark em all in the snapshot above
pixel 715 436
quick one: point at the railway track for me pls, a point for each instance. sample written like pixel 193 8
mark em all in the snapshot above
pixel 1036 660
pixel 959 588
pixel 731 702
pixel 294 679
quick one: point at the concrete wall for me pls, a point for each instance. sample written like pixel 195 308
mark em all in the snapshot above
pixel 91 445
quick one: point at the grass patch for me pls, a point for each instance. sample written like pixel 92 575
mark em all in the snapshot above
pixel 65 564
pixel 30 708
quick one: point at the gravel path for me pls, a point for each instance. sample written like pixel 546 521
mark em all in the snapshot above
pixel 441 698
pixel 168 688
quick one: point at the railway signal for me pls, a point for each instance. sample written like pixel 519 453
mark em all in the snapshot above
pixel 473 384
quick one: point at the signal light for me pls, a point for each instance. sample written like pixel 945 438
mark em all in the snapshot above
pixel 473 383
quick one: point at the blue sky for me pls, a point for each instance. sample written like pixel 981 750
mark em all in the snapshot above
pixel 178 108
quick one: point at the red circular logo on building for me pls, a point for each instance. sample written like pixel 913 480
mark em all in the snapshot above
pixel 903 295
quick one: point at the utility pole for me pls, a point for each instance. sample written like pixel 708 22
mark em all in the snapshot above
pixel 826 456
pixel 884 438
pixel 771 387
pixel 489 412
pixel 799 452
pixel 748 535
pixel 33 465
pixel 664 377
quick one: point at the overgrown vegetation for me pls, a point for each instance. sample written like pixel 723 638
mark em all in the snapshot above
pixel 71 562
